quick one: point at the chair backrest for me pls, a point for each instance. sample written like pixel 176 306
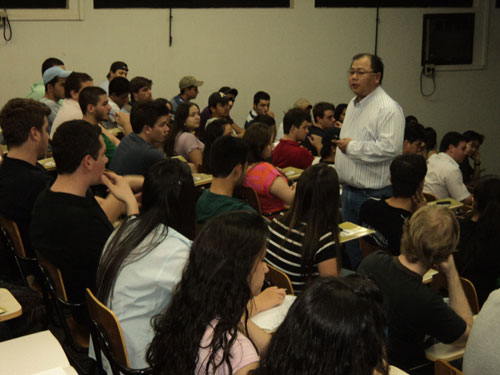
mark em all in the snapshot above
pixel 279 278
pixel 12 230
pixel 55 275
pixel 444 368
pixel 366 247
pixel 108 323
pixel 470 294
pixel 248 194
pixel 430 197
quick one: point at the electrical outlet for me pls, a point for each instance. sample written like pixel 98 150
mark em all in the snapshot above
pixel 3 13
pixel 429 70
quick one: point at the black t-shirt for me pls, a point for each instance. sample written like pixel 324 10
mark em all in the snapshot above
pixel 467 170
pixel 478 258
pixel 70 231
pixel 307 144
pixel 20 185
pixel 414 310
pixel 387 221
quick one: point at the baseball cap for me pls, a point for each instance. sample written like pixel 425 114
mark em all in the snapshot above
pixel 118 65
pixel 54 72
pixel 189 81
pixel 228 90
pixel 218 98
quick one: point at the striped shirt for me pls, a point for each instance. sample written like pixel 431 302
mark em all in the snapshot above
pixel 284 252
pixel 376 125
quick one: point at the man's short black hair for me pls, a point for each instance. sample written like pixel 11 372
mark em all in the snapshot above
pixel 294 117
pixel 17 118
pixel 119 86
pixel 227 152
pixel 320 108
pixel 90 95
pixel 471 135
pixel 260 95
pixel 72 141
pixel 450 138
pixel 266 119
pixel 430 138
pixel 147 112
pixel 407 173
pixel 50 62
pixel 138 83
pixel 376 64
pixel 414 132
pixel 74 83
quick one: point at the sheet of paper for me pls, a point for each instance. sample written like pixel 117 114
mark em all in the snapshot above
pixel 270 320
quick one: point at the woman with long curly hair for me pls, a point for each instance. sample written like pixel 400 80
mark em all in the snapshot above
pixel 304 242
pixel 144 257
pixel 181 139
pixel 336 327
pixel 206 328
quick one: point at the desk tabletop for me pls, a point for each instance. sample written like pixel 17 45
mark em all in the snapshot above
pixel 202 179
pixel 291 173
pixel 48 163
pixel 350 231
pixel 9 304
pixel 115 131
pixel 450 203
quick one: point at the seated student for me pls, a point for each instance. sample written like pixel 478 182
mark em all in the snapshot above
pixel 270 122
pixel 413 138
pixel 325 329
pixel 444 178
pixel 95 107
pixel 269 184
pixel 25 128
pixel 289 152
pixel 119 96
pixel 206 329
pixel 181 139
pixel 188 87
pixel 68 226
pixel 416 311
pixel 206 114
pixel 329 148
pixel 323 114
pixel 141 149
pixel 473 141
pixel 214 130
pixel 387 216
pixel 218 103
pixel 430 140
pixel 117 69
pixel 340 114
pixel 261 104
pixel 37 90
pixel 304 242
pixel 144 258
pixel 54 79
pixel 478 258
pixel 228 161
pixel 140 89
pixel 481 354
pixel 70 109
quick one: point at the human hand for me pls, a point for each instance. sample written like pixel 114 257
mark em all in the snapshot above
pixel 118 186
pixel 447 267
pixel 417 200
pixel 338 124
pixel 342 143
pixel 269 298
pixel 271 114
pixel 293 186
pixel 121 118
pixel 316 141
pixel 477 157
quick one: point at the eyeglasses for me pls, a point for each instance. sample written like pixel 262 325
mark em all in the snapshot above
pixel 359 73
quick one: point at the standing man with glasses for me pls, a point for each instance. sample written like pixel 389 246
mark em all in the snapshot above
pixel 370 138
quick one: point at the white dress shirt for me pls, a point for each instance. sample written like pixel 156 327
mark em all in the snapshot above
pixel 444 179
pixel 376 125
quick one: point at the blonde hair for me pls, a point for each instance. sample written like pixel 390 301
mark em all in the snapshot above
pixel 430 236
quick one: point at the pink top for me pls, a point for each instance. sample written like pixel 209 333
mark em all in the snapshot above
pixel 185 143
pixel 260 178
pixel 242 352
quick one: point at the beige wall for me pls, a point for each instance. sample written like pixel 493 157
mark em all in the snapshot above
pixel 288 52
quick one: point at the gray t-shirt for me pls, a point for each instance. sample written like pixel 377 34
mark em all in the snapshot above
pixel 134 156
pixel 481 354
pixel 54 108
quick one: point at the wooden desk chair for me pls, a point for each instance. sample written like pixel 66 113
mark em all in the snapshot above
pixel 76 334
pixel 10 236
pixel 107 336
pixel 444 368
pixel 248 194
pixel 279 278
pixel 439 283
pixel 430 197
